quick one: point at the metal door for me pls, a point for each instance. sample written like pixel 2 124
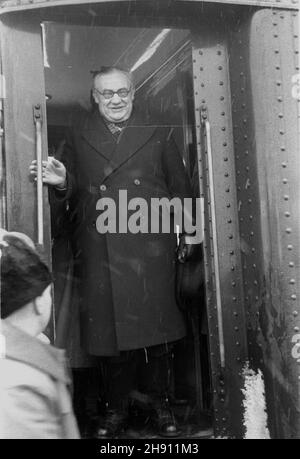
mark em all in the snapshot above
pixel 24 124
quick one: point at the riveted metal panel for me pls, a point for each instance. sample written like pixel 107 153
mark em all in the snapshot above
pixel 211 85
pixel 247 186
pixel 264 60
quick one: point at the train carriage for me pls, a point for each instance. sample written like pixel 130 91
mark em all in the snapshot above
pixel 226 76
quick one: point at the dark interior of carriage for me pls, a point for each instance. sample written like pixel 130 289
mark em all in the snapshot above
pixel 161 61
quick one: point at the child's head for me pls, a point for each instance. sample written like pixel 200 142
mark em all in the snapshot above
pixel 25 279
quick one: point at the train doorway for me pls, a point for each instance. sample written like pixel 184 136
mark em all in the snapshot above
pixel 161 61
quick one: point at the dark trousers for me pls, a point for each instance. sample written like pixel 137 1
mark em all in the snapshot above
pixel 147 370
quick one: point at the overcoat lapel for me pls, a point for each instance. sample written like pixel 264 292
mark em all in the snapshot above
pixel 133 137
pixel 98 136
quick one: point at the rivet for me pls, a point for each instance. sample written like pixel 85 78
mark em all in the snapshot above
pixel 288 230
pixel 254 265
pixel 222 98
pixel 231 252
pixel 281 132
pixel 277 67
pixel 291 264
pixel 224 144
pixel 225 159
pixel 232 268
pixel 296 329
pixel 234 298
pixel 201 69
pixel 230 236
pixel 292 281
pixel 256 298
pixel 285 180
pixel 282 148
pixel 287 214
pixel 290 247
pixel 295 313
pixel 237 343
pixel 253 250
pixel 221 83
pixel 278 83
pixel 255 282
pixel 220 67
pixel 276 51
pixel 229 220
pixel 283 164
pixel 226 174
pixel 275 35
pixel 235 313
pixel 238 359
pixel 251 233
pixel 294 297
pixel 203 101
pixel 279 99
pixel 250 217
pixel 223 113
pixel 245 137
pixel 233 283
pixel 243 105
pixel 223 128
pixel 296 52
pixel 246 152
pixel 250 201
pixel 236 328
pixel 227 190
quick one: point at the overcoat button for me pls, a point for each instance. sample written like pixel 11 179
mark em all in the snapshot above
pixel 137 182
pixel 102 187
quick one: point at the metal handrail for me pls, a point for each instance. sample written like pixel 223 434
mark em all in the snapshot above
pixel 206 125
pixel 38 145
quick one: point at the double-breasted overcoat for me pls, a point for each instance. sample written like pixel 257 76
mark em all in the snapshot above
pixel 127 280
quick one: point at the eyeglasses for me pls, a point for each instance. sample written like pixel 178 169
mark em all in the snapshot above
pixel 109 94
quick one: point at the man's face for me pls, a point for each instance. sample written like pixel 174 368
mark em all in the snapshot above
pixel 117 108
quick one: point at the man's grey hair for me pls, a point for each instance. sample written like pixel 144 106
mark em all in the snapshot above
pixel 113 69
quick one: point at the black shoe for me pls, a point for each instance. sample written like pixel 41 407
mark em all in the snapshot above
pixel 114 423
pixel 165 422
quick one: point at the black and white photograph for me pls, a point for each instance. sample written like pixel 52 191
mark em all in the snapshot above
pixel 149 222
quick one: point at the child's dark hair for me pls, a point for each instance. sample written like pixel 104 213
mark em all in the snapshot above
pixel 24 276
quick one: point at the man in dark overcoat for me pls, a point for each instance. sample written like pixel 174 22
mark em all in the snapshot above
pixel 129 315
